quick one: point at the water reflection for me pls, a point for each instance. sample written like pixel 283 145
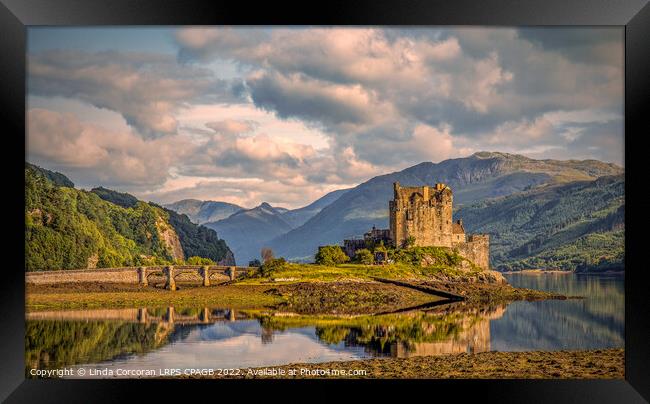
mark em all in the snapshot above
pixel 451 328
pixel 154 338
pixel 597 321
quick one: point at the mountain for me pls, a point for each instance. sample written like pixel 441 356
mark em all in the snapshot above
pixel 298 217
pixel 201 212
pixel 67 228
pixel 56 178
pixel 480 176
pixel 247 230
pixel 574 226
pixel 119 198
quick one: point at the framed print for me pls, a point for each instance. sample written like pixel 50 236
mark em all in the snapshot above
pixel 420 196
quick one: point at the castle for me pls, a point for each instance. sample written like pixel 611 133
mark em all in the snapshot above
pixel 423 216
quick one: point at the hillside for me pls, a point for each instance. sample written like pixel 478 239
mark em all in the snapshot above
pixel 67 228
pixel 119 198
pixel 57 179
pixel 247 230
pixel 574 226
pixel 201 212
pixel 480 176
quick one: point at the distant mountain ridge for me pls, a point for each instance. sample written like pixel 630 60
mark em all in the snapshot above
pixel 297 217
pixel 201 212
pixel 480 176
pixel 248 229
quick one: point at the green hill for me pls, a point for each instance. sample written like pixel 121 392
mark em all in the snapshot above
pixel 574 226
pixel 67 228
pixel 56 178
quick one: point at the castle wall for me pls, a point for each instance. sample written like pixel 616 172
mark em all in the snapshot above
pixel 350 247
pixel 476 249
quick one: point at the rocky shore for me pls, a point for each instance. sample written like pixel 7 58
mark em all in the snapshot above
pixel 591 364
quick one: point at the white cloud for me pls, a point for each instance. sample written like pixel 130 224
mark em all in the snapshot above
pixel 146 89
pixel 93 155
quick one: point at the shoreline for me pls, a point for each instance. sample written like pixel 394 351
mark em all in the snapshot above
pixel 304 297
pixel 539 271
pixel 578 364
pixel 329 297
pixel 561 272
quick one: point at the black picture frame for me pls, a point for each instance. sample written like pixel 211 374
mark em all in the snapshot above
pixel 16 15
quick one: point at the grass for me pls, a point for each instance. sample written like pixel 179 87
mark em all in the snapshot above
pixel 330 297
pixel 292 273
pixel 413 263
pixel 77 296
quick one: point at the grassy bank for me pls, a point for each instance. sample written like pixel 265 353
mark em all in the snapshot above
pixel 593 364
pixel 474 285
pixel 87 295
pixel 332 297
pixel 292 273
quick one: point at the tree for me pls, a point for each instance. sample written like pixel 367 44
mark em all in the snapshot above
pixel 254 263
pixel 266 254
pixel 199 261
pixel 364 256
pixel 409 242
pixel 331 255
pixel 272 265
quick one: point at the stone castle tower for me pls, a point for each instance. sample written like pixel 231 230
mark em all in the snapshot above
pixel 425 213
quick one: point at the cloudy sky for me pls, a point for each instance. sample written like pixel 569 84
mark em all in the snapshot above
pixel 284 115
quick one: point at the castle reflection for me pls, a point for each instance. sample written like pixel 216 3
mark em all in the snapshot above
pixel 452 328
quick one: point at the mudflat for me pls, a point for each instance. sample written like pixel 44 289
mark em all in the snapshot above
pixel 584 364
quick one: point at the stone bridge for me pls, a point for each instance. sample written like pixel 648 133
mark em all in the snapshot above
pixel 206 274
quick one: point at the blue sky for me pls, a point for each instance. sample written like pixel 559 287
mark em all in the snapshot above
pixel 93 39
pixel 285 115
